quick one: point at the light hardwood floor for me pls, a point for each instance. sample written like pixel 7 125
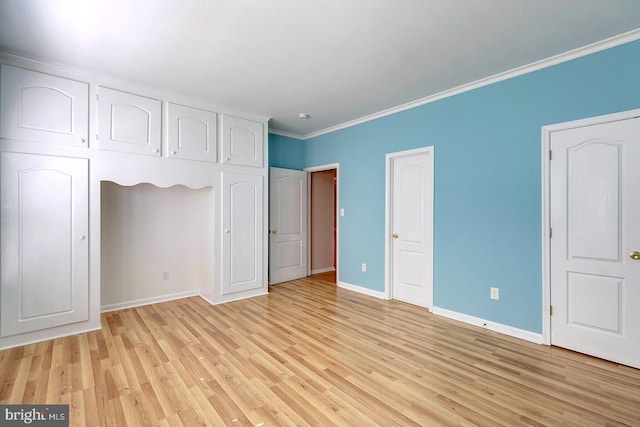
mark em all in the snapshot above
pixel 311 354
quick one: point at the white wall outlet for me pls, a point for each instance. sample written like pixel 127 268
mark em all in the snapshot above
pixel 165 275
pixel 495 293
pixel 364 267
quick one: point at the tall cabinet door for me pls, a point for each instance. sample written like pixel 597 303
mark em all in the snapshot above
pixel 44 242
pixel 242 237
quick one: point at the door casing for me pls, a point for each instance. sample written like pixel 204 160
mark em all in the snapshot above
pixel 321 168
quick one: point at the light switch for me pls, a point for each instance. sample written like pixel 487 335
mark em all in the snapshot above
pixel 341 211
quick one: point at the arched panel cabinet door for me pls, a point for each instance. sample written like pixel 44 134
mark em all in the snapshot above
pixel 44 262
pixel 242 233
pixel 242 142
pixel 128 123
pixel 191 133
pixel 40 107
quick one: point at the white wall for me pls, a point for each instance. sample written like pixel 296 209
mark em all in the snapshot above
pixel 148 230
pixel 322 220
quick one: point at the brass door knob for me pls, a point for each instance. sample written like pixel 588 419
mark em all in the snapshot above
pixel 274 231
pixel 395 235
pixel 635 255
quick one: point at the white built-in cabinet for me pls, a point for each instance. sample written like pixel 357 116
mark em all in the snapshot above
pixel 62 133
pixel 242 142
pixel 191 133
pixel 243 233
pixel 44 238
pixel 43 108
pixel 128 123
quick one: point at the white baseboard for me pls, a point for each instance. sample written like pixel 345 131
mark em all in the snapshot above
pixel 147 301
pixel 492 326
pixel 225 299
pixel 360 289
pixel 323 270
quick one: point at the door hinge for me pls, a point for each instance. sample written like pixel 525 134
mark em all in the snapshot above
pixel 97 97
pixel 550 310
pixel 550 155
pixel 550 232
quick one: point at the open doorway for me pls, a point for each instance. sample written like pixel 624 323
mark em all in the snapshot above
pixel 323 222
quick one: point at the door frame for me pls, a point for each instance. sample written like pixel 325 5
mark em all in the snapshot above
pixel 546 203
pixel 321 168
pixel 389 158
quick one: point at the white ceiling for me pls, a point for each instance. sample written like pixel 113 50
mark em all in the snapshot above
pixel 337 60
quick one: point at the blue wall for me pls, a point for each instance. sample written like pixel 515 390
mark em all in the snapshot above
pixel 487 180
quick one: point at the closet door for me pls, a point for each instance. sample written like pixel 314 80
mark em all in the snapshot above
pixel 242 142
pixel 242 236
pixel 128 123
pixel 44 279
pixel 43 108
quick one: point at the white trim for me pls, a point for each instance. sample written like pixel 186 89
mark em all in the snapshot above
pixel 546 202
pixel 515 72
pixel 147 301
pixel 323 270
pixel 287 134
pixel 321 168
pixel 224 300
pixel 492 326
pixel 51 337
pixel 389 157
pixel 362 290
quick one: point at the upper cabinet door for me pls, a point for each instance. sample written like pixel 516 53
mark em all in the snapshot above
pixel 242 142
pixel 43 108
pixel 192 133
pixel 128 123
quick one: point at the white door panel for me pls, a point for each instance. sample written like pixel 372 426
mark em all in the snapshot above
pixel 191 133
pixel 412 229
pixel 128 123
pixel 43 108
pixel 242 141
pixel 595 284
pixel 45 253
pixel 242 233
pixel 288 230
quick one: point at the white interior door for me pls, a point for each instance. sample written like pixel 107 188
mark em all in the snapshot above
pixel 595 244
pixel 412 228
pixel 288 225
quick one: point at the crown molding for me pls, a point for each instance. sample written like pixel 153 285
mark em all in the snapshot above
pixel 614 41
pixel 287 134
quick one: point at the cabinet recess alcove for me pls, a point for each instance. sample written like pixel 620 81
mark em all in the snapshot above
pixel 71 141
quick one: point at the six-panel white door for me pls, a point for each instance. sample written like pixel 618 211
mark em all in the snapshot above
pixel 412 228
pixel 595 247
pixel 44 242
pixel 288 225
pixel 43 108
pixel 242 232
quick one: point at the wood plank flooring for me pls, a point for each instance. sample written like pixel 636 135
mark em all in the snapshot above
pixel 311 354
